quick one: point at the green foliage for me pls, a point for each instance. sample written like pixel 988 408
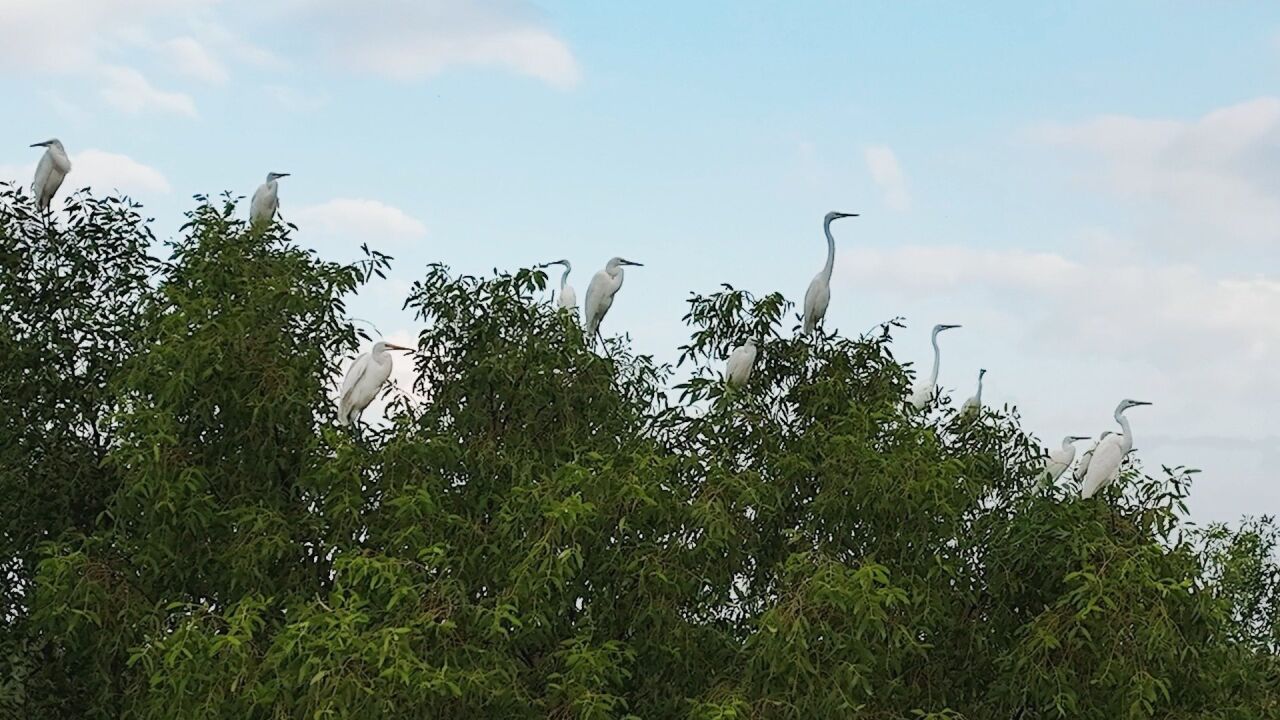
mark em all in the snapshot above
pixel 543 530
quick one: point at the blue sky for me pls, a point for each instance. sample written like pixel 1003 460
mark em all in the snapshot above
pixel 1092 190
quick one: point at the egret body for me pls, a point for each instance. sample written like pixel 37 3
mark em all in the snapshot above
pixel 50 172
pixel 1083 466
pixel 1060 459
pixel 604 285
pixel 364 380
pixel 1104 468
pixel 974 404
pixel 924 392
pixel 568 299
pixel 738 368
pixel 818 296
pixel 266 200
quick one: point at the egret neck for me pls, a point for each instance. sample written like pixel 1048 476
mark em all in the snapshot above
pixel 831 250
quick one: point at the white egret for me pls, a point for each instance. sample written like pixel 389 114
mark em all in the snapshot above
pixel 568 299
pixel 266 200
pixel 1082 467
pixel 604 285
pixel 52 170
pixel 364 380
pixel 974 404
pixel 818 296
pixel 738 368
pixel 1060 459
pixel 1104 468
pixel 924 391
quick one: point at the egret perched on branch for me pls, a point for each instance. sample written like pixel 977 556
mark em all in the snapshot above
pixel 364 380
pixel 604 285
pixel 1104 468
pixel 738 368
pixel 266 200
pixel 974 404
pixel 53 168
pixel 818 296
pixel 1083 466
pixel 568 299
pixel 925 390
pixel 1060 459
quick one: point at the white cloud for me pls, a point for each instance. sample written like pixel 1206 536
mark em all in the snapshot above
pixel 1197 182
pixel 104 172
pixel 1101 307
pixel 70 36
pixel 130 91
pixel 1067 337
pixel 191 58
pixel 887 174
pixel 357 219
pixel 117 41
pixel 411 39
pixel 295 99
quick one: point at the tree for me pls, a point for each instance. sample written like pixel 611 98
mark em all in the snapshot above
pixel 543 530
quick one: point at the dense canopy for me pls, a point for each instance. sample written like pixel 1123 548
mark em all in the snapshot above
pixel 541 529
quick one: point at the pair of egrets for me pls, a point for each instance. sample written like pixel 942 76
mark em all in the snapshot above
pixel 817 298
pixel 604 285
pixel 926 390
pixel 1100 465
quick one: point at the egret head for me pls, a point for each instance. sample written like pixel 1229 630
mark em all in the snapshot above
pixel 833 215
pixel 383 346
pixel 564 263
pixel 1126 404
pixel 981 372
pixel 939 328
pixel 276 176
pixel 618 262
pixel 51 142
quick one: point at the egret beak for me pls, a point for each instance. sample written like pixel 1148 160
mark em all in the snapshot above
pixel 628 262
pixel 1079 437
pixel 1135 403
pixel 399 347
pixel 951 327
pixel 845 215
pixel 280 175
pixel 41 144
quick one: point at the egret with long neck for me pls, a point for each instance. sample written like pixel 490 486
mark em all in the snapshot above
pixel 1104 468
pixel 818 296
pixel 604 285
pixel 266 200
pixel 568 299
pixel 364 380
pixel 50 172
pixel 924 392
pixel 974 404
pixel 1059 460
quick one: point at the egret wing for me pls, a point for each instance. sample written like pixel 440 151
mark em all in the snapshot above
pixel 1103 466
pixel 598 299
pixel 568 298
pixel 358 370
pixel 261 207
pixel 39 186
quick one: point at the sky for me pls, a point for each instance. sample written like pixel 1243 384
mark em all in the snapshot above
pixel 1092 189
